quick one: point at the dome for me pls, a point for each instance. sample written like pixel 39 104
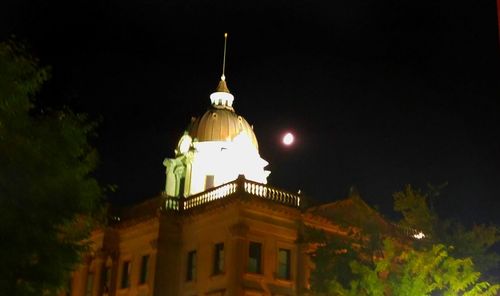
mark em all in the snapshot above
pixel 220 124
pixel 215 149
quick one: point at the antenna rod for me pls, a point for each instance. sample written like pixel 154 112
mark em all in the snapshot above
pixel 223 77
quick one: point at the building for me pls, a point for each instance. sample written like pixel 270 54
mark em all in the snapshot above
pixel 218 228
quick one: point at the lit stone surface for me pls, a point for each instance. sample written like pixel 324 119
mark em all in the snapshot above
pixel 215 149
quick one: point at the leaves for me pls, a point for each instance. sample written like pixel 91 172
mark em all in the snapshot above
pixel 408 272
pixel 476 242
pixel 450 262
pixel 48 197
pixel 413 205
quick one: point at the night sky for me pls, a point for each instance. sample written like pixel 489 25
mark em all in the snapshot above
pixel 378 93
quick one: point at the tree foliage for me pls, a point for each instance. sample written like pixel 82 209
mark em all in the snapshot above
pixel 476 242
pixel 410 272
pixel 333 254
pixel 332 258
pixel 48 198
pixel 451 260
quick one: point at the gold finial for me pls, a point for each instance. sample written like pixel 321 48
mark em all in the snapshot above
pixel 223 77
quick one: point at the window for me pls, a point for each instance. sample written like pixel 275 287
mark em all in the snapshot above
pixel 106 279
pixel 90 284
pixel 209 181
pixel 125 283
pixel 254 257
pixel 143 276
pixel 68 287
pixel 219 258
pixel 191 266
pixel 284 264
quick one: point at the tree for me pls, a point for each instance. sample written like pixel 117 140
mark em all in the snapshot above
pixel 332 257
pixel 476 242
pixel 379 261
pixel 408 272
pixel 48 198
pixel 332 254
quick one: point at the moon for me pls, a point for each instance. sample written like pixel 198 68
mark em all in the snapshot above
pixel 288 139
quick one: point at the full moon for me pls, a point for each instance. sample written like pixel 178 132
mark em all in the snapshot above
pixel 288 139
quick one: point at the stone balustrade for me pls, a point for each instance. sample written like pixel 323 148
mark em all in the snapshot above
pixel 238 186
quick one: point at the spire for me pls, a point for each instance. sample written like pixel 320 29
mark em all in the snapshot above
pixel 223 77
pixel 222 98
pixel 222 87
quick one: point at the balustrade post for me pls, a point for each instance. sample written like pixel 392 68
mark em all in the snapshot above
pixel 181 203
pixel 240 183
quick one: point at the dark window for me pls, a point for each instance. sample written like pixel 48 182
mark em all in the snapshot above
pixel 125 275
pixel 68 287
pixel 143 277
pixel 284 264
pixel 219 258
pixel 191 266
pixel 254 257
pixel 106 279
pixel 209 181
pixel 90 284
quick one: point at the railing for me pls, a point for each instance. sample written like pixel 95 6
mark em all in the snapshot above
pixel 211 195
pixel 273 194
pixel 172 203
pixel 410 232
pixel 240 185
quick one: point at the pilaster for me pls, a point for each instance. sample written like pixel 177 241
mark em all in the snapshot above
pixel 236 268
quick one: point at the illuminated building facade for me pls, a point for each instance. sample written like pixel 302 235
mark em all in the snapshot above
pixel 216 148
pixel 217 229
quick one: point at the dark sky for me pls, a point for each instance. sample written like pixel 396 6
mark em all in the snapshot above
pixel 379 93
